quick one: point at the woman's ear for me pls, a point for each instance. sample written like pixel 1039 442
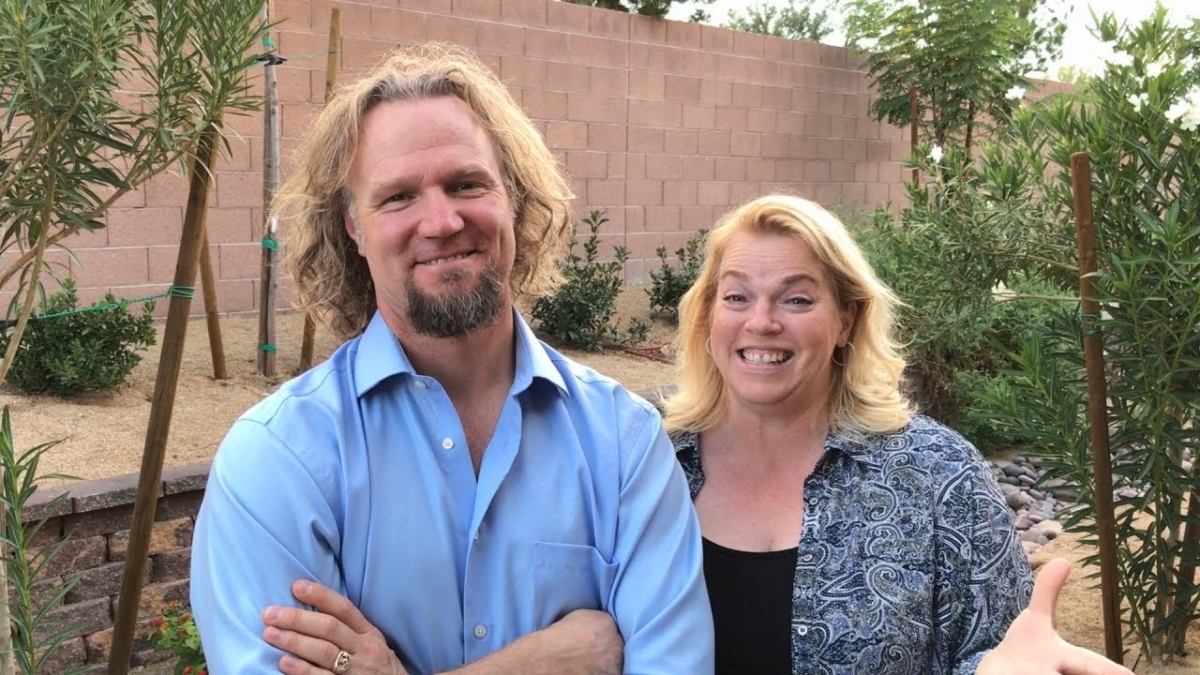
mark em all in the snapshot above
pixel 849 314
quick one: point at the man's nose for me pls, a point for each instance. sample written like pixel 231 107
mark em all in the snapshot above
pixel 439 215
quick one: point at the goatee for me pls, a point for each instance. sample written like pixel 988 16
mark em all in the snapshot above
pixel 456 314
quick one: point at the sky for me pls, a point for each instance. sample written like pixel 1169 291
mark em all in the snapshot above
pixel 1078 44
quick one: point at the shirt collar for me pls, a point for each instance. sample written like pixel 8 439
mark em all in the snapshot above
pixel 379 356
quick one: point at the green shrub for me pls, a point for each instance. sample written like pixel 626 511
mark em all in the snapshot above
pixel 580 313
pixel 93 350
pixel 668 284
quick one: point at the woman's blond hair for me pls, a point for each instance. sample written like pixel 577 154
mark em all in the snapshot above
pixel 332 279
pixel 865 397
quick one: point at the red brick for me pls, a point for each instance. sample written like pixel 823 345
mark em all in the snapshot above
pixel 152 225
pixel 698 116
pixel 67 656
pixel 110 266
pixel 681 141
pixel 664 166
pixel 730 119
pixel 566 77
pixel 396 25
pixel 616 165
pixel 498 38
pixel 518 71
pixel 608 80
pixel 569 16
pixel 547 105
pixel 643 244
pixel 748 95
pixel 567 135
pixel 525 12
pixel 476 9
pixel 831 103
pixel 165 535
pixel 642 139
pixel 655 113
pixel 293 14
pixel 760 169
pixel 587 164
pixel 589 108
pixel 698 168
pixel 680 34
pixel 730 168
pixel 607 137
pixel 816 171
pixel 291 41
pixel 716 93
pixel 597 51
pixel 748 44
pixel 603 192
pixel 647 85
pixel 680 192
pixel 714 142
pixel 167 189
pixel 713 193
pixel 635 165
pixel 644 192
pixel 714 39
pixel 647 29
pixel 666 59
pixel 451 29
pixel 75 555
pixel 238 261
pixel 545 44
pixel 761 120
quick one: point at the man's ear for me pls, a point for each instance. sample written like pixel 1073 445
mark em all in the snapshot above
pixel 352 229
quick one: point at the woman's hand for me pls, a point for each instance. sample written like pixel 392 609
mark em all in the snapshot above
pixel 316 639
pixel 1032 645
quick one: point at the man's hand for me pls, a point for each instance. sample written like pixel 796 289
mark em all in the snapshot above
pixel 584 642
pixel 1032 645
pixel 314 639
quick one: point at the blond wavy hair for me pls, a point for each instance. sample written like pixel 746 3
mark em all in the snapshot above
pixel 865 397
pixel 332 279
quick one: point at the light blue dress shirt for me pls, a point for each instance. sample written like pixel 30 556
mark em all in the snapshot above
pixel 357 475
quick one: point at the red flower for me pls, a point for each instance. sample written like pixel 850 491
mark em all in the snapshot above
pixel 187 670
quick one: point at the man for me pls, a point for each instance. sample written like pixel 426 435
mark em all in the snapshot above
pixel 447 490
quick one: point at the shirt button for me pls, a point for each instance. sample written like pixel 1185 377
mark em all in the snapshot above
pixel 800 630
pixel 480 631
pixel 420 384
pixel 806 557
pixel 447 443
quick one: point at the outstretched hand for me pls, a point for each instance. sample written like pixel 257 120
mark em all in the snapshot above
pixel 1032 644
pixel 314 639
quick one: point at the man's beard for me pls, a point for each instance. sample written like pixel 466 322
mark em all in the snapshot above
pixel 456 314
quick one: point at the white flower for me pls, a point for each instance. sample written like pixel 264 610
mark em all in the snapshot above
pixel 921 43
pixel 1155 69
pixel 1186 111
pixel 1015 93
pixel 1120 59
pixel 932 18
pixel 1001 292
pixel 936 154
pixel 1138 100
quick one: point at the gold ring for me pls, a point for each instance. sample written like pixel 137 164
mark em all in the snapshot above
pixel 342 663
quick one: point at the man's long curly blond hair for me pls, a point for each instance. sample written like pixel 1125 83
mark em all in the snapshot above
pixel 332 279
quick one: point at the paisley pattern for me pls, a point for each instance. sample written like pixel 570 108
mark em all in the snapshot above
pixel 908 561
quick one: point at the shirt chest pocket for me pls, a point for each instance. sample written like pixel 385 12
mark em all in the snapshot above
pixel 567 577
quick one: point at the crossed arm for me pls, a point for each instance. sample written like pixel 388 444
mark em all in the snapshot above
pixel 584 642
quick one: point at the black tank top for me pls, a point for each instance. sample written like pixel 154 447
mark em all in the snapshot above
pixel 751 595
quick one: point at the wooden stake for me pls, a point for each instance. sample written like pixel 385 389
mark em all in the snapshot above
pixel 1093 349
pixel 162 405
pixel 216 343
pixel 268 285
pixel 913 111
pixel 332 65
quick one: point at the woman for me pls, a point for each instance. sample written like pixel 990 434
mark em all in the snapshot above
pixel 842 532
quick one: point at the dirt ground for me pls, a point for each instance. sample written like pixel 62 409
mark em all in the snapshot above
pixel 104 435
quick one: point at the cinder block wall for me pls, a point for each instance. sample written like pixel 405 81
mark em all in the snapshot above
pixel 96 518
pixel 664 125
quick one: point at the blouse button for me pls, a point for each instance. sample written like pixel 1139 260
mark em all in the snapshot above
pixel 801 630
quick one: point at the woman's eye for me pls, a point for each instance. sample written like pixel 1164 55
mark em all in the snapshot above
pixel 734 297
pixel 799 302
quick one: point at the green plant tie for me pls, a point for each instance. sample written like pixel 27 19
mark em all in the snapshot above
pixel 268 42
pixel 172 292
pixel 270 244
pixel 267 348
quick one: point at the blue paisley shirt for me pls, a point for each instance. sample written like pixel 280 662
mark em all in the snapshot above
pixel 908 561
